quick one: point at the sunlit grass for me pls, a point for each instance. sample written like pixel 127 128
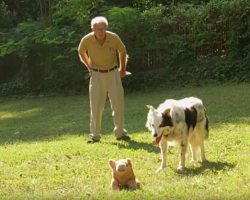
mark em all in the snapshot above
pixel 44 155
pixel 12 115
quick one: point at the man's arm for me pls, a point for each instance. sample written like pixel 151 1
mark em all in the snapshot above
pixel 85 60
pixel 123 62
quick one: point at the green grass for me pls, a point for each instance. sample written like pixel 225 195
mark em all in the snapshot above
pixel 44 155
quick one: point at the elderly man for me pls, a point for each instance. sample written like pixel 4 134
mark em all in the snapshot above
pixel 104 55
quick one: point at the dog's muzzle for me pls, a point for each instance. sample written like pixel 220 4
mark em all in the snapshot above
pixel 154 133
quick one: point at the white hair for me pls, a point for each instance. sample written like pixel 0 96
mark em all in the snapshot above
pixel 99 20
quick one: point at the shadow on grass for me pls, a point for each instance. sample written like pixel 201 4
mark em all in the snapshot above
pixel 49 118
pixel 208 168
pixel 42 118
pixel 137 146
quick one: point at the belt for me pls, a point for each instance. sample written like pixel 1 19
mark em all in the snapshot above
pixel 105 71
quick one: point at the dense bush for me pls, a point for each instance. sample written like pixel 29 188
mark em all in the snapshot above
pixel 183 42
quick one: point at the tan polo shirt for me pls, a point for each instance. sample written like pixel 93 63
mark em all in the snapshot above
pixel 102 56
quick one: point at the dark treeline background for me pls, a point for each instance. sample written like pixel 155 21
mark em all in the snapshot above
pixel 168 41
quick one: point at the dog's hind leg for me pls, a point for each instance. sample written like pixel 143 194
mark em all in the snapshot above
pixel 164 151
pixel 193 146
pixel 183 150
pixel 201 139
pixel 203 157
pixel 193 150
pixel 196 147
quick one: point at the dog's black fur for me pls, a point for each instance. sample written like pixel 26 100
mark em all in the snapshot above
pixel 166 120
pixel 191 117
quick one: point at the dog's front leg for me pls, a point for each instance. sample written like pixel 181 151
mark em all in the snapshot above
pixel 183 150
pixel 164 150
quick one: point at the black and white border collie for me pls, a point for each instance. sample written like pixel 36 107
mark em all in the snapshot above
pixel 183 122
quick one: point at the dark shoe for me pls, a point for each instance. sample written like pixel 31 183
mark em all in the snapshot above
pixel 124 138
pixel 92 140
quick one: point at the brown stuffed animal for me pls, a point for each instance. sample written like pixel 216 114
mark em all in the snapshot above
pixel 123 174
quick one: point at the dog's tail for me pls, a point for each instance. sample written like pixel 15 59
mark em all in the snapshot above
pixel 199 107
pixel 206 126
pixel 201 114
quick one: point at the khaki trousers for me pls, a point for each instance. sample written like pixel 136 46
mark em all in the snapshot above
pixel 101 85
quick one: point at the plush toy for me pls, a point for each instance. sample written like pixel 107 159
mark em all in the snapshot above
pixel 123 174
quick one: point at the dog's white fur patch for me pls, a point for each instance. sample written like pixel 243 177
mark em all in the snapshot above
pixel 183 122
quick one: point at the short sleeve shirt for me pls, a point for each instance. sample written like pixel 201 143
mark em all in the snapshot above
pixel 102 56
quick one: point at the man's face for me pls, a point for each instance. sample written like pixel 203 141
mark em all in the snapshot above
pixel 100 30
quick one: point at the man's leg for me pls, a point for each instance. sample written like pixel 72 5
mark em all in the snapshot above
pixel 98 95
pixel 116 97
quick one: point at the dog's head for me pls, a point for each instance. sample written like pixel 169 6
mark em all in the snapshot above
pixel 154 120
pixel 158 123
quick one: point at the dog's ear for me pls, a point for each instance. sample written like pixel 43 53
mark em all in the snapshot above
pixel 166 113
pixel 166 119
pixel 112 164
pixel 150 107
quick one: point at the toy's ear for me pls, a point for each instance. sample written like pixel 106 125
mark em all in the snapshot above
pixel 112 163
pixel 129 162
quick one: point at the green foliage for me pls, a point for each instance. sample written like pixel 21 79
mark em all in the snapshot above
pixel 191 41
pixel 205 39
pixel 5 19
pixel 75 12
pixel 46 57
pixel 140 33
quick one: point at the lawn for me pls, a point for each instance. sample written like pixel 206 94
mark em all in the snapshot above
pixel 44 154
